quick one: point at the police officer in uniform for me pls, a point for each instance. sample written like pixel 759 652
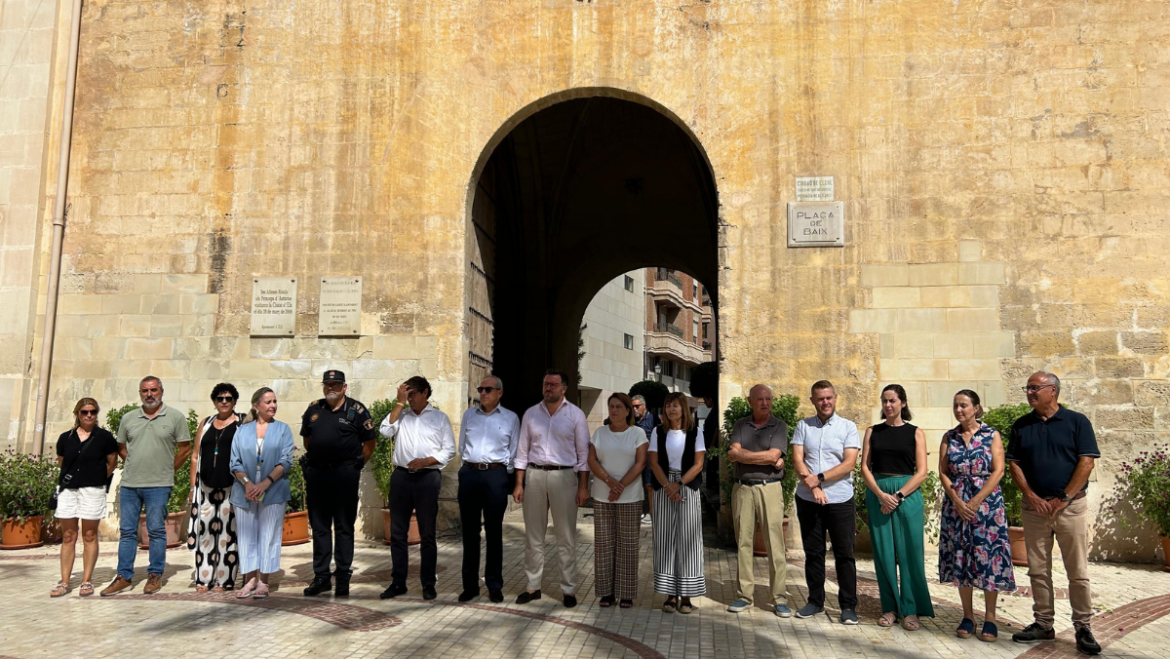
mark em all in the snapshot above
pixel 339 438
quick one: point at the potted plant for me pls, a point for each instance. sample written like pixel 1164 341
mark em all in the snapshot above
pixel 784 407
pixel 296 518
pixel 25 491
pixel 1001 418
pixel 1144 484
pixel 177 504
pixel 382 467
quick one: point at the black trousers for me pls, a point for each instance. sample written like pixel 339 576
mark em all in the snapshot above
pixel 483 495
pixel 838 520
pixel 414 493
pixel 332 502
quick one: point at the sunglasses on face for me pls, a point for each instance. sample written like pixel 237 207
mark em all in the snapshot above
pixel 224 399
pixel 88 412
pixel 484 390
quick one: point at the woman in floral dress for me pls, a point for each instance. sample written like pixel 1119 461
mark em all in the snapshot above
pixel 973 550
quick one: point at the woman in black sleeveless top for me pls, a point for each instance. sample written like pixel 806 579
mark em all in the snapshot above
pixel 211 532
pixel 893 463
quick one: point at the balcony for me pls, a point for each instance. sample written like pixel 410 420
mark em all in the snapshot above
pixel 667 341
pixel 667 291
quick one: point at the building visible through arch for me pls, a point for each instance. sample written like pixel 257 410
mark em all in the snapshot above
pixel 576 194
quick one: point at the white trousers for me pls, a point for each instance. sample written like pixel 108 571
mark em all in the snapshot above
pixel 260 529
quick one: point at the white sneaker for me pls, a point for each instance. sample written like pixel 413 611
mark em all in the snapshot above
pixel 646 519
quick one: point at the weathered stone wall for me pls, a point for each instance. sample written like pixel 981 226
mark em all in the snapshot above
pixel 1003 167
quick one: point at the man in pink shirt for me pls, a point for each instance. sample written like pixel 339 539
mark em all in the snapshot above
pixel 553 453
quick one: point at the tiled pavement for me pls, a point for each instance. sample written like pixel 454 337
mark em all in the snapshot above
pixel 178 622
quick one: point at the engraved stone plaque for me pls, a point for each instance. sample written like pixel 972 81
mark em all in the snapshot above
pixel 816 225
pixel 340 311
pixel 814 188
pixel 274 306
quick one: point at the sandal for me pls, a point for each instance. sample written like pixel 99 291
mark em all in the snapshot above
pixel 606 601
pixel 889 619
pixel 670 606
pixel 86 589
pixel 990 632
pixel 60 589
pixel 627 604
pixel 966 628
pixel 201 589
pixel 261 591
pixel 247 590
pixel 910 623
pixel 685 607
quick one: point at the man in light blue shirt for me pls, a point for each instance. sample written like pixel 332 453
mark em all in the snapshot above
pixel 824 452
pixel 488 436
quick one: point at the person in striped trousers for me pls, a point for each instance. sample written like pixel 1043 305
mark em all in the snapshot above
pixel 261 459
pixel 676 457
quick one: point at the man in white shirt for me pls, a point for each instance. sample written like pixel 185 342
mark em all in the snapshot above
pixel 423 444
pixel 824 452
pixel 488 437
pixel 554 453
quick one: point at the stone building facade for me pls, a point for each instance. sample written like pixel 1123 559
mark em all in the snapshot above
pixel 1002 167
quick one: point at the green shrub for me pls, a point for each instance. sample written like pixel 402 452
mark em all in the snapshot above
pixel 655 393
pixel 27 485
pixel 1145 485
pixel 382 461
pixel 296 484
pixel 1001 418
pixel 114 417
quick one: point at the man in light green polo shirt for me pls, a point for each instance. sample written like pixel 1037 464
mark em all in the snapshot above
pixel 154 441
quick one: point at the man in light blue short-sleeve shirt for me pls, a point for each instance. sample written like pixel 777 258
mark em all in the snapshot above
pixel 824 452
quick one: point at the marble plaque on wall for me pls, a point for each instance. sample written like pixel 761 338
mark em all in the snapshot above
pixel 274 306
pixel 816 225
pixel 814 188
pixel 340 308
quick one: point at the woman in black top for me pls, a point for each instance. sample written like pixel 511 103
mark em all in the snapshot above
pixel 212 529
pixel 87 456
pixel 893 463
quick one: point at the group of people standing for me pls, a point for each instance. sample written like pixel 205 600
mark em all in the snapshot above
pixel 551 465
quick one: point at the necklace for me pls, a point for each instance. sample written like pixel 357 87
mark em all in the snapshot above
pixel 219 433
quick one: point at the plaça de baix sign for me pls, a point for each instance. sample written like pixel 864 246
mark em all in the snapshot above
pixel 816 224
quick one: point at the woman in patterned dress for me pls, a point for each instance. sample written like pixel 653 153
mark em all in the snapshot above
pixel 211 532
pixel 974 551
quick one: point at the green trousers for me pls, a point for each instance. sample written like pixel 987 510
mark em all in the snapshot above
pixel 897 541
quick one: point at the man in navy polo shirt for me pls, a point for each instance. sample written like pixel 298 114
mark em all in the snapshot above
pixel 1051 454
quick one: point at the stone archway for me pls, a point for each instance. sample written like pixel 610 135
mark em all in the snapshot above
pixel 568 195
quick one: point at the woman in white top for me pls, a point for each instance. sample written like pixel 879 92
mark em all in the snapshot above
pixel 676 458
pixel 617 455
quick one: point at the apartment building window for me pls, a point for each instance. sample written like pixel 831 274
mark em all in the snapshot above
pixel 706 331
pixel 695 297
pixel 629 342
pixel 629 283
pixel 695 333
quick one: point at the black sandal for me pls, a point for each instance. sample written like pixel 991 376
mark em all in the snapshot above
pixel 627 604
pixel 607 601
pixel 990 633
pixel 670 605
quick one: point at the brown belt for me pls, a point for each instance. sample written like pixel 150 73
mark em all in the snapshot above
pixel 484 466
pixel 1078 495
pixel 548 467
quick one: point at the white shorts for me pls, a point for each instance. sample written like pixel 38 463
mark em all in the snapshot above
pixel 82 503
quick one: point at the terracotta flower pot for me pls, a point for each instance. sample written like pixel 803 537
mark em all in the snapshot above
pixel 1019 548
pixel 758 547
pixel 1165 552
pixel 21 535
pixel 863 542
pixel 296 529
pixel 412 535
pixel 175 526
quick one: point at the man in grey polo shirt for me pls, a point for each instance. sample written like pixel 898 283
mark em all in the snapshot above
pixel 758 445
pixel 824 451
pixel 154 441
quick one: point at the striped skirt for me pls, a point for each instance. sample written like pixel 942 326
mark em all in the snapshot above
pixel 678 543
pixel 616 527
pixel 261 529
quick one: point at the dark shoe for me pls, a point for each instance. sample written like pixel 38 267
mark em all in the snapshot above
pixel 849 617
pixel 496 596
pixel 809 610
pixel 570 601
pixel 393 590
pixel 342 589
pixel 966 628
pixel 526 597
pixel 116 586
pixel 429 593
pixel 989 633
pixel 468 595
pixel 1086 644
pixel 606 601
pixel 1033 633
pixel 153 584
pixel 319 585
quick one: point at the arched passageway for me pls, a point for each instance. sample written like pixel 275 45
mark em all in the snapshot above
pixel 574 195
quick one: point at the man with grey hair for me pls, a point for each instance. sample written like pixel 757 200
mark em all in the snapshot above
pixel 645 421
pixel 154 441
pixel 1051 453
pixel 488 435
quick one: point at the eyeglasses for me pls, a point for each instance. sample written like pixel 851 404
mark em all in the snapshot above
pixel 1033 388
pixel 484 390
pixel 88 412
pixel 224 399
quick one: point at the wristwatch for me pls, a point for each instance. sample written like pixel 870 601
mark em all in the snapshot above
pixel 900 496
pixel 1065 497
pixel 821 477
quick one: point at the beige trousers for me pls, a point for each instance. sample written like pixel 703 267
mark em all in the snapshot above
pixel 1070 529
pixel 765 503
pixel 555 491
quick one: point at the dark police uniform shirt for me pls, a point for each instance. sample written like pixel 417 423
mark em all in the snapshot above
pixel 336 436
pixel 1048 451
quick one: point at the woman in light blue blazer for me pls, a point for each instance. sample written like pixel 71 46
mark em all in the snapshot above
pixel 261 459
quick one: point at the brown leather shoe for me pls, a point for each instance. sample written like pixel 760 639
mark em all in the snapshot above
pixel 116 586
pixel 153 584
